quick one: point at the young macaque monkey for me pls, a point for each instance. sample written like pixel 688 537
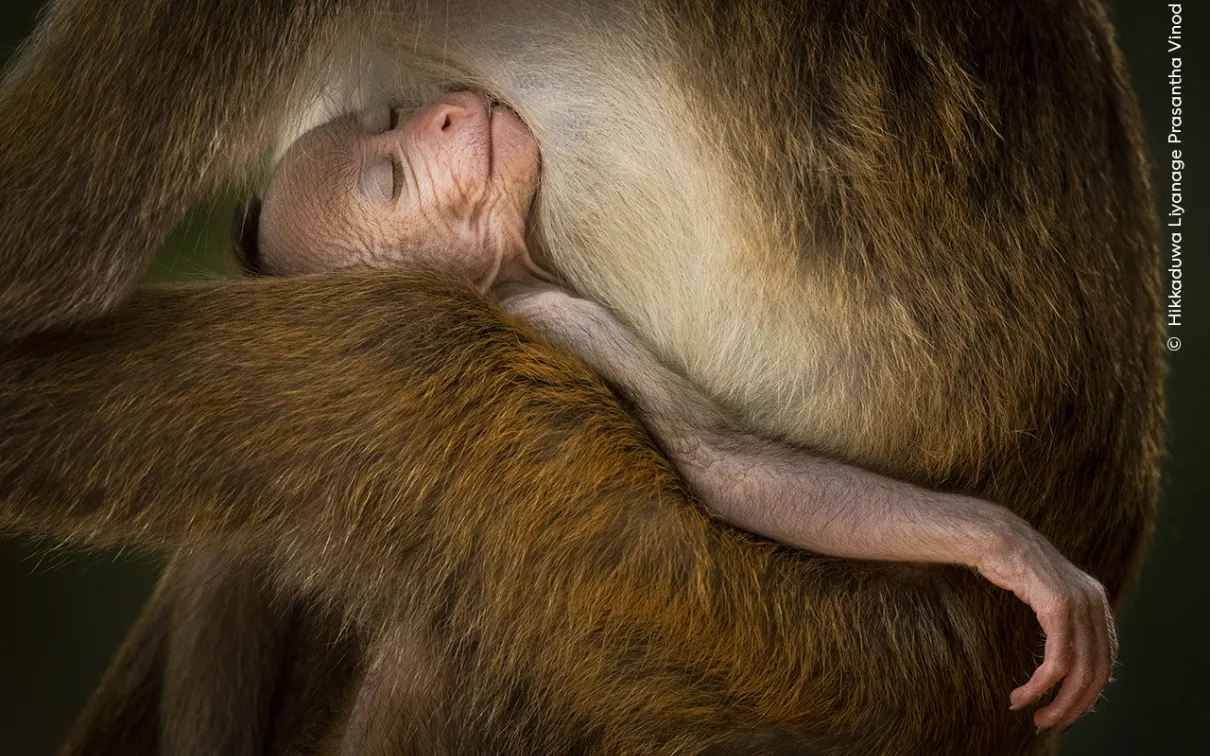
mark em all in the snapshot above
pixel 450 190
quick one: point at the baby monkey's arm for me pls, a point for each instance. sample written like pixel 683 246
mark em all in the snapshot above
pixel 805 500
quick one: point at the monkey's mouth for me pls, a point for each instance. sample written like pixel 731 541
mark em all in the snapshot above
pixel 495 104
pixel 508 136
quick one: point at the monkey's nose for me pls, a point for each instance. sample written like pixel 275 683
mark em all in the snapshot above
pixel 456 113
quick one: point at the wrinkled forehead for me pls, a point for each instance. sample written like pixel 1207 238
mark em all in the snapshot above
pixel 319 162
pixel 309 201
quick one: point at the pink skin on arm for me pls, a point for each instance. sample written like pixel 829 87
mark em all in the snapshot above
pixel 450 190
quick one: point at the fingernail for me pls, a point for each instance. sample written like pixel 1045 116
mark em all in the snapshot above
pixel 1015 707
pixel 1042 729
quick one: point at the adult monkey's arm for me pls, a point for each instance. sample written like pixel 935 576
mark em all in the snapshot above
pixel 397 446
pixel 116 118
pixel 267 401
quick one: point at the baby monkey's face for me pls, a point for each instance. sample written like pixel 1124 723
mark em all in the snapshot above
pixel 449 190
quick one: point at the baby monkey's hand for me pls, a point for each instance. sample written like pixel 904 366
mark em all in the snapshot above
pixel 1081 639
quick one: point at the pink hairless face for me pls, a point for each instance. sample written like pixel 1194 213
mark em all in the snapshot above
pixel 449 190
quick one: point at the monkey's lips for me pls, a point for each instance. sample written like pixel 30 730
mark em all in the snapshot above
pixel 512 148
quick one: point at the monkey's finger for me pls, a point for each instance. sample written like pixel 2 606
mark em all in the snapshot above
pixel 1055 662
pixel 1101 663
pixel 1078 675
pixel 1112 626
pixel 1103 620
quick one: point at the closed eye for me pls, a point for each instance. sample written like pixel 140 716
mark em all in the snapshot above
pixel 396 176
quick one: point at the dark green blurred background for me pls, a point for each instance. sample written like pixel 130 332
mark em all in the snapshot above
pixel 64 612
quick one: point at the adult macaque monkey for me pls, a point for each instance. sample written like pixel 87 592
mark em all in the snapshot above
pixel 450 190
pixel 869 228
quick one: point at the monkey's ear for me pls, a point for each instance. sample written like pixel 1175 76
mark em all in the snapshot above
pixel 244 228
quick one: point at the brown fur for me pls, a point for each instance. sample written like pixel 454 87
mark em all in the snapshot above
pixel 935 216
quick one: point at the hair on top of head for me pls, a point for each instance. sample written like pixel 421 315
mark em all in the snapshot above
pixel 245 227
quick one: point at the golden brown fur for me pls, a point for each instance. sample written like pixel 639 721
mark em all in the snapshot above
pixel 917 236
